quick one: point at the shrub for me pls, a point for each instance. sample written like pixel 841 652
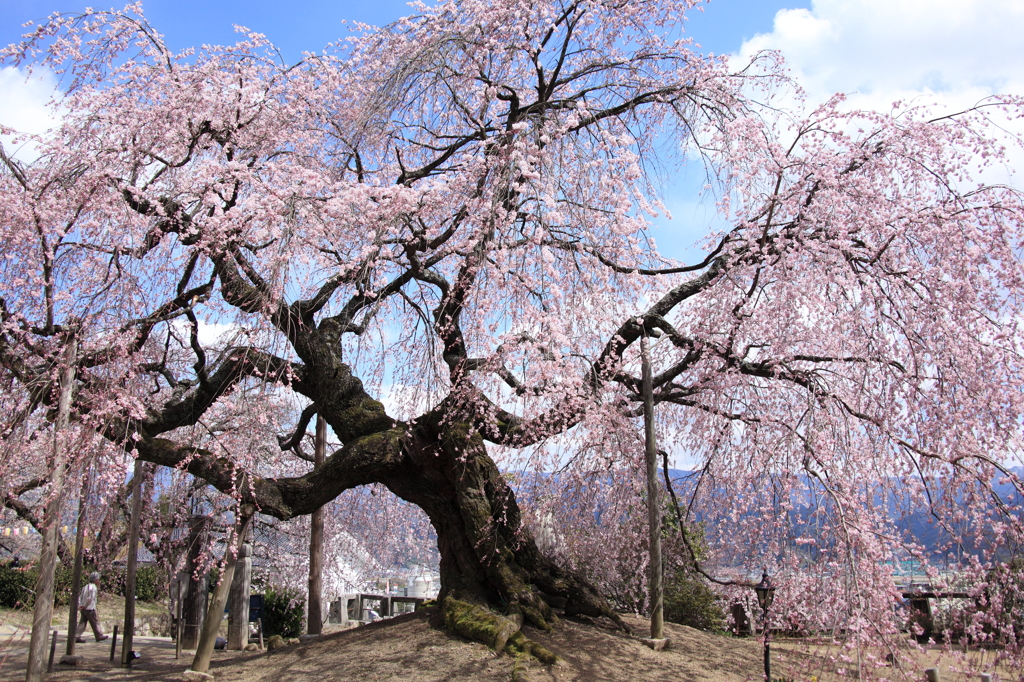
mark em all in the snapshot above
pixel 62 584
pixel 283 610
pixel 689 601
pixel 16 587
pixel 150 582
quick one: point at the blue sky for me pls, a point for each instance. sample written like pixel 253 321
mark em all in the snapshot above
pixel 307 25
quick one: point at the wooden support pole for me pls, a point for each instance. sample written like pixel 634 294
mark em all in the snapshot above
pixel 113 644
pixel 177 634
pixel 211 625
pixel 76 575
pixel 42 612
pixel 653 497
pixel 238 600
pixel 53 650
pixel 127 638
pixel 194 607
pixel 314 613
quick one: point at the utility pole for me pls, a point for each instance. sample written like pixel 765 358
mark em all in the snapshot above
pixel 43 609
pixel 133 561
pixel 314 616
pixel 653 497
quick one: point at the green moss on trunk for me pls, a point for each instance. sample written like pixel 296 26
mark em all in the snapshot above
pixel 478 624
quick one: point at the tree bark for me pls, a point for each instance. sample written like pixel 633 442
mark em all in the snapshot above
pixel 488 556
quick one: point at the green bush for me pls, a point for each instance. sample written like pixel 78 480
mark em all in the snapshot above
pixel 112 580
pixel 283 610
pixel 150 582
pixel 689 601
pixel 16 587
pixel 62 585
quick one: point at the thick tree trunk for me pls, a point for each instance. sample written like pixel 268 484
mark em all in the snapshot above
pixel 488 556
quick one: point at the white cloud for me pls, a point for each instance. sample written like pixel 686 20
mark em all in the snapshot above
pixel 212 335
pixel 884 50
pixel 948 54
pixel 24 106
pixel 215 334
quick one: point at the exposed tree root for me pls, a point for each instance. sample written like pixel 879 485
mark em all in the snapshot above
pixel 521 647
pixel 501 633
pixel 478 624
pixel 519 669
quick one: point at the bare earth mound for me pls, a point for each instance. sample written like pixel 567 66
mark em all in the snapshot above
pixel 414 648
pixel 407 648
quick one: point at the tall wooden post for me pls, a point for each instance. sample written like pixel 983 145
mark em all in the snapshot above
pixel 76 576
pixel 133 562
pixel 211 625
pixel 238 599
pixel 194 606
pixel 314 615
pixel 43 610
pixel 653 497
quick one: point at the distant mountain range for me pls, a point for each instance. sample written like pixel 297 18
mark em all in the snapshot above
pixel 918 524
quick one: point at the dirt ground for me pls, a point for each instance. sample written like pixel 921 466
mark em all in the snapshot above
pixel 409 648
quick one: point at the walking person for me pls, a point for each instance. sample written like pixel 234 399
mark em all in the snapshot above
pixel 87 607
